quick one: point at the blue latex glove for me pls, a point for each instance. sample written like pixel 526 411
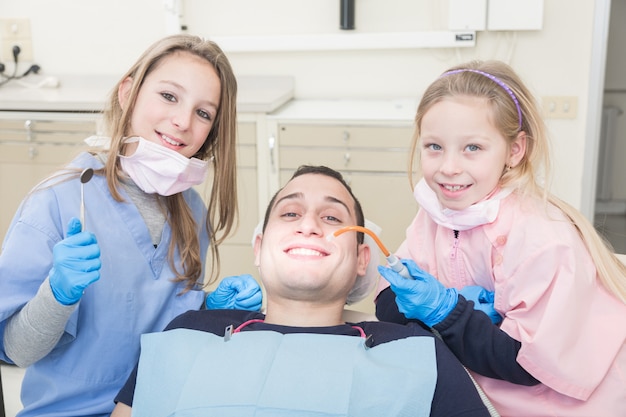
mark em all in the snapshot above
pixel 75 264
pixel 423 297
pixel 483 301
pixel 239 292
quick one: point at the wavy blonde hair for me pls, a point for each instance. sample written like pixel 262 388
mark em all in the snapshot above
pixel 535 164
pixel 220 144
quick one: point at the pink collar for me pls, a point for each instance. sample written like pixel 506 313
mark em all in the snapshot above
pixel 246 323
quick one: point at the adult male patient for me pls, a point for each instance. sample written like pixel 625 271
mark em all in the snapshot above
pixel 300 358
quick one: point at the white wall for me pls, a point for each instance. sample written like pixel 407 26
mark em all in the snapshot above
pixel 104 37
pixel 615 93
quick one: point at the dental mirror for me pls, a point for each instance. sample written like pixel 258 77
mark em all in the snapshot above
pixel 85 177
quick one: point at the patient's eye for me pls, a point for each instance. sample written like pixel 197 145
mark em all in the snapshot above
pixel 331 219
pixel 289 210
pixel 334 213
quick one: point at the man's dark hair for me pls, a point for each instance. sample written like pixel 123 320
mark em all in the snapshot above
pixel 329 172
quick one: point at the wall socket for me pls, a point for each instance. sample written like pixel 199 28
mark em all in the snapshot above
pixel 26 51
pixel 560 107
pixel 15 32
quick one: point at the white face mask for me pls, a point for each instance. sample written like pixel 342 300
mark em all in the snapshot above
pixel 483 212
pixel 157 169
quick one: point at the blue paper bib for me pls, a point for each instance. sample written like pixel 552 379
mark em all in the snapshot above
pixel 264 373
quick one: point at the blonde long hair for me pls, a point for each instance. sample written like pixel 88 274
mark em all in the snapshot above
pixel 473 80
pixel 220 144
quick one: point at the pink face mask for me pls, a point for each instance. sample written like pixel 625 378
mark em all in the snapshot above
pixel 157 169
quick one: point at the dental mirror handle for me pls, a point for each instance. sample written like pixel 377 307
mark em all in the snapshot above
pixel 82 207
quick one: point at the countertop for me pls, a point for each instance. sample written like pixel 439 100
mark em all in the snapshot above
pixel 262 94
pixel 361 111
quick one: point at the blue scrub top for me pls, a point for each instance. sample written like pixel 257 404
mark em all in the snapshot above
pixel 135 293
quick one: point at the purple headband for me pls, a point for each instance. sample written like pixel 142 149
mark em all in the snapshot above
pixel 497 81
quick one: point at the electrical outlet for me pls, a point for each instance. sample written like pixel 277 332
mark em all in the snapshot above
pixel 14 29
pixel 560 107
pixel 26 51
pixel 15 32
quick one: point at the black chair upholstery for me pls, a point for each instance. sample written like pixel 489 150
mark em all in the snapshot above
pixel 2 410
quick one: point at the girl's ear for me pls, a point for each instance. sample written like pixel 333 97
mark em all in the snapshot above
pixel 123 91
pixel 518 149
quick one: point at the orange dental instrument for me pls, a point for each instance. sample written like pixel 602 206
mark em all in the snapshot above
pixel 392 260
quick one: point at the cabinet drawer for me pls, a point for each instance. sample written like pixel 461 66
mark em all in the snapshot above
pixel 236 259
pixel 246 156
pixel 387 160
pixel 39 153
pixel 248 202
pixel 22 166
pixel 246 145
pixel 345 136
pixel 47 137
pixel 246 133
pixel 64 130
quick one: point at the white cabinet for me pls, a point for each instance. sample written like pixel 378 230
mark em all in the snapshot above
pixel 236 253
pixel 35 144
pixel 32 146
pixel 373 160
pixel 367 141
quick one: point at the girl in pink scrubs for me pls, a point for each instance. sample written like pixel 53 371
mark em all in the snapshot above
pixel 486 219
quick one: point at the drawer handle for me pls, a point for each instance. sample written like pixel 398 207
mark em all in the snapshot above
pixel 271 143
pixel 32 152
pixel 346 159
pixel 29 126
pixel 346 135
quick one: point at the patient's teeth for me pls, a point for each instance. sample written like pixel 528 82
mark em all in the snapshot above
pixel 304 251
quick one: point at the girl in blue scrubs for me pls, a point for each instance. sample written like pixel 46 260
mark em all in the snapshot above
pixel 75 298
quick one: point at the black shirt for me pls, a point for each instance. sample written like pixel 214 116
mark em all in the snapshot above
pixel 455 393
pixel 479 344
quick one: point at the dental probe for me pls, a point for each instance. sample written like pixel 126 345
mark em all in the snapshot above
pixel 392 260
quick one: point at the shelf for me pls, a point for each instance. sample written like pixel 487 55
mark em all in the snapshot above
pixel 346 41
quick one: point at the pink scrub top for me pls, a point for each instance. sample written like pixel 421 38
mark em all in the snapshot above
pixel 571 329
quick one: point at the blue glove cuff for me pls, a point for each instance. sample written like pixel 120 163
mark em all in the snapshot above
pixel 221 301
pixel 59 296
pixel 445 307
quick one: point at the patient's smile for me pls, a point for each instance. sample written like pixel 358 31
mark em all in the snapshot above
pixel 305 252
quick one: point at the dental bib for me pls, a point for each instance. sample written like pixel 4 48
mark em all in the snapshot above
pixel 157 169
pixel 478 214
pixel 189 373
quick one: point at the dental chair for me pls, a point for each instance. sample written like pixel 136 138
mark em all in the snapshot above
pixel 2 411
